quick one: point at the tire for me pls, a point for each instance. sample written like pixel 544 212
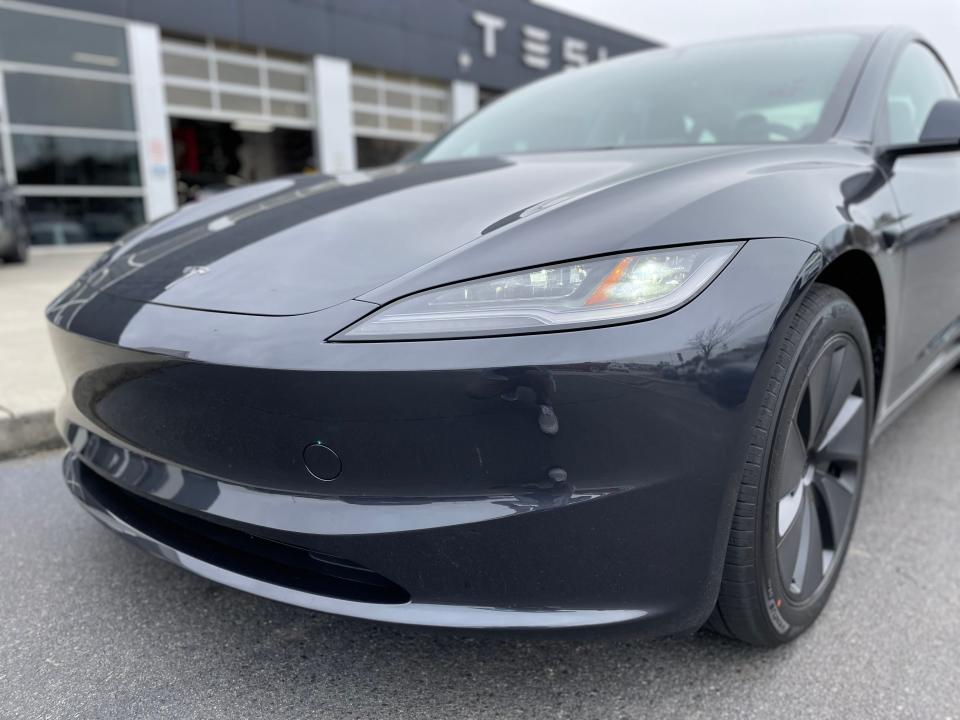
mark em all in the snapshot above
pixel 19 253
pixel 769 594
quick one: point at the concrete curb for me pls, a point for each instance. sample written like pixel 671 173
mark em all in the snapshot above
pixel 24 434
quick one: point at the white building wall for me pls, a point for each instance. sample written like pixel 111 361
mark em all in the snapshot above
pixel 6 146
pixel 153 126
pixel 334 120
pixel 465 100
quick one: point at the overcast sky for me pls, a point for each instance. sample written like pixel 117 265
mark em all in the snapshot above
pixel 676 22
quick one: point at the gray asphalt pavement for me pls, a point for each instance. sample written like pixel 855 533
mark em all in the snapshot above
pixel 91 628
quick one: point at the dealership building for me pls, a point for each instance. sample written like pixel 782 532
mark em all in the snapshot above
pixel 113 112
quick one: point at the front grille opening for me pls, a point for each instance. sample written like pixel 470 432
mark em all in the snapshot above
pixel 271 561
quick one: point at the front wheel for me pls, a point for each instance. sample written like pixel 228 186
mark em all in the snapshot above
pixel 801 485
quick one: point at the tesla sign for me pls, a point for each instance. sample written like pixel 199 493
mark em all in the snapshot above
pixel 535 44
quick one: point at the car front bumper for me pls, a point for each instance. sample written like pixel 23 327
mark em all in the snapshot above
pixel 569 479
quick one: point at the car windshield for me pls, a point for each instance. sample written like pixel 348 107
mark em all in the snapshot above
pixel 765 90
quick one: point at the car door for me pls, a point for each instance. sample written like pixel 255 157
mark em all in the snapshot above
pixel 927 190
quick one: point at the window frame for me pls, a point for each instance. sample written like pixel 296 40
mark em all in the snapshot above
pixel 881 125
pixel 43 72
pixel 120 153
pixel 124 68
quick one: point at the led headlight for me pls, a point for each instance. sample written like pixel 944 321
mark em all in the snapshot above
pixel 598 291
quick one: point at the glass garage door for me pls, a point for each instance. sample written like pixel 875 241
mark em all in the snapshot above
pixel 392 114
pixel 227 82
pixel 67 126
pixel 238 114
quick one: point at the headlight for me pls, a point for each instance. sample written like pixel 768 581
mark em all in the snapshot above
pixel 598 291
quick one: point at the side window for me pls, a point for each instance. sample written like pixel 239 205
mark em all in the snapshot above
pixel 919 81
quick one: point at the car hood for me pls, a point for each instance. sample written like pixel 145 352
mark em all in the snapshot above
pixel 294 246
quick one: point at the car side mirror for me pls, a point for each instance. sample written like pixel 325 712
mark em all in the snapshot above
pixel 943 124
pixel 941 133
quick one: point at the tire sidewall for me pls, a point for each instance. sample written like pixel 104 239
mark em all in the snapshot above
pixel 786 618
pixel 22 252
pixel 19 253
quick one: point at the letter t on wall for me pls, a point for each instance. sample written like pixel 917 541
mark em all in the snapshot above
pixel 491 25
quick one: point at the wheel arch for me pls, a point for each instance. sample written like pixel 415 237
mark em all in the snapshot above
pixel 855 273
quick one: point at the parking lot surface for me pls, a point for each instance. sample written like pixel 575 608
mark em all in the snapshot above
pixel 92 628
pixel 29 379
pixel 30 384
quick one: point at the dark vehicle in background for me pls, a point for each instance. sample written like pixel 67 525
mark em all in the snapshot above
pixel 51 229
pixel 14 227
pixel 610 352
pixel 194 188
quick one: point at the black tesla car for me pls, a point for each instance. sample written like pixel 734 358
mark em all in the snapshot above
pixel 611 351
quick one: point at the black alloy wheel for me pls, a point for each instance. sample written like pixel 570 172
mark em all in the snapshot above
pixel 818 479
